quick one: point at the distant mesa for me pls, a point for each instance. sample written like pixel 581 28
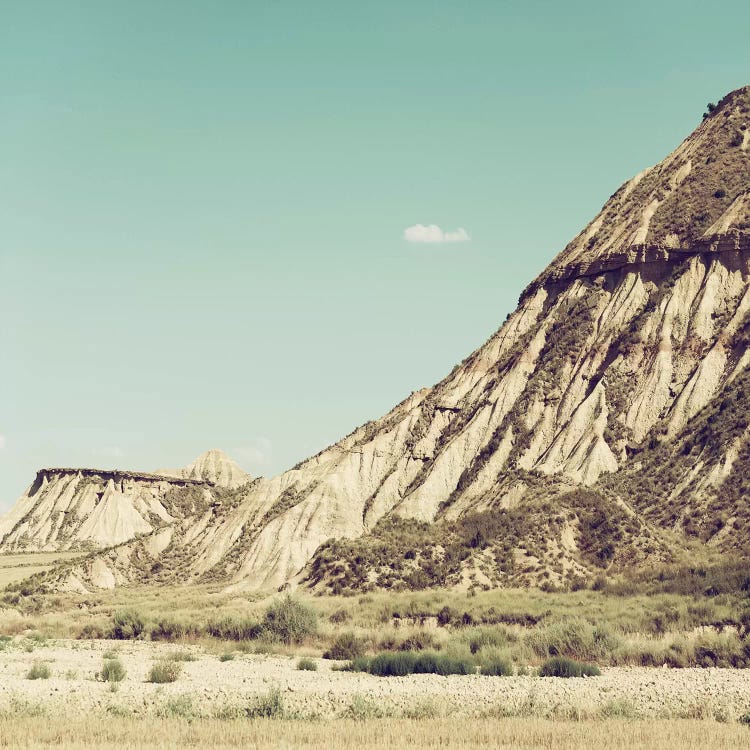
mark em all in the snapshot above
pixel 212 466
pixel 83 508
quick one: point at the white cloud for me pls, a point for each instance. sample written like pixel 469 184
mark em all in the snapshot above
pixel 3 441
pixel 432 233
pixel 256 456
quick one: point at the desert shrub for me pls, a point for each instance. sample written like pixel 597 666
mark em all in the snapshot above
pixel 92 630
pixel 420 640
pixel 290 620
pixel 446 616
pixel 363 708
pixel 177 707
pixel 127 624
pixel 269 706
pixel 112 670
pixel 487 638
pixel 561 666
pixel 346 646
pixel 721 650
pixel 496 667
pixel 573 638
pixel 234 628
pixel 167 629
pixel 228 656
pixel 402 663
pixel 340 616
pixel 307 665
pixel 181 655
pixel 164 670
pixel 619 708
pixel 39 671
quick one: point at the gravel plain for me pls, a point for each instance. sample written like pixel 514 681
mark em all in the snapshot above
pixel 213 688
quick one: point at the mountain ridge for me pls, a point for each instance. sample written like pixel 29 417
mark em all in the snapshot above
pixel 634 332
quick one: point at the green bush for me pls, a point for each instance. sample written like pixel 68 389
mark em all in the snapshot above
pixel 561 666
pixel 446 616
pixel 421 640
pixel 574 638
pixel 346 646
pixel 484 638
pixel 290 620
pixel 496 667
pixel 39 671
pixel 307 665
pixel 167 629
pixel 402 663
pixel 340 616
pixel 235 629
pixel 164 670
pixel 127 624
pixel 112 670
pixel 228 656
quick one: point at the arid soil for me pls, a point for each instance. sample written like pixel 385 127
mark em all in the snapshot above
pixel 209 687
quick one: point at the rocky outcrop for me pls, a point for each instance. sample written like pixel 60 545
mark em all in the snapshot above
pixel 68 508
pixel 613 358
pixel 213 466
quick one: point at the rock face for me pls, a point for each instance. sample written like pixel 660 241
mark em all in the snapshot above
pixel 628 346
pixel 213 466
pixel 68 509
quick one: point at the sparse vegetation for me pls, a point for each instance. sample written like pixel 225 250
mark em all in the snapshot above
pixel 164 670
pixel 290 620
pixel 269 706
pixel 560 666
pixel 127 624
pixel 496 667
pixel 345 646
pixel 409 662
pixel 112 670
pixel 40 670
pixel 307 665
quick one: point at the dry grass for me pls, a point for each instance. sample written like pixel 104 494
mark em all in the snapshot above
pixel 18 566
pixel 528 625
pixel 153 734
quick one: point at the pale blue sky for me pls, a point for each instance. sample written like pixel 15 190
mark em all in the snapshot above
pixel 203 204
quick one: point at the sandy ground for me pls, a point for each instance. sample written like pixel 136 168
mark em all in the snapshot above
pixel 209 687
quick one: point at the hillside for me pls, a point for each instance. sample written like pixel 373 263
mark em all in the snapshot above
pixel 601 427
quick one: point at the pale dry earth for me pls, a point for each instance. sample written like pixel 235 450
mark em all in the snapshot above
pixel 208 687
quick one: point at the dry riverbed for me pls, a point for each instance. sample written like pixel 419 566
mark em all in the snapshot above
pixel 211 688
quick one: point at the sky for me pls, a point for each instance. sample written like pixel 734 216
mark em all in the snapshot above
pixel 254 225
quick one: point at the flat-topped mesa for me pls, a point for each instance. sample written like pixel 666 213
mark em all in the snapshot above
pixel 75 507
pixel 116 475
pixel 695 201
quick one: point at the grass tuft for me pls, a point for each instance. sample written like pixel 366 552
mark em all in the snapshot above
pixel 39 671
pixel 164 670
pixel 561 666
pixel 402 663
pixel 112 671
